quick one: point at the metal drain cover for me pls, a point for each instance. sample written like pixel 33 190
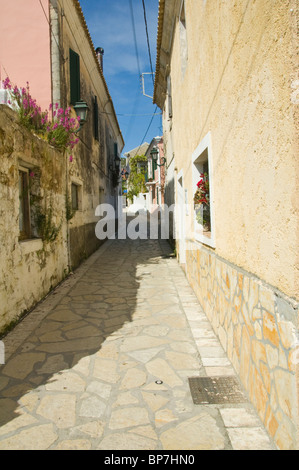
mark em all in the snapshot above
pixel 215 390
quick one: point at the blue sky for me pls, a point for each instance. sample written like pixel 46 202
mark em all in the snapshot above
pixel 111 27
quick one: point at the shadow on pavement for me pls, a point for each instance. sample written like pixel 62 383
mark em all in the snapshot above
pixel 59 352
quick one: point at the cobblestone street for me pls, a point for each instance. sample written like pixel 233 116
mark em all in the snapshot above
pixel 103 363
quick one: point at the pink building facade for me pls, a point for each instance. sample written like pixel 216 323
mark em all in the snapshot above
pixel 27 57
pixel 156 172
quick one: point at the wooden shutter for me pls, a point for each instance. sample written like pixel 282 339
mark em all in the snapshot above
pixel 74 77
pixel 115 149
pixel 96 118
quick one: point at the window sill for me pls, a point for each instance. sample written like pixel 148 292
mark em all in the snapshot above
pixel 206 238
pixel 30 246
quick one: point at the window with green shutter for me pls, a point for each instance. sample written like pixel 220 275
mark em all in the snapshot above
pixel 115 149
pixel 74 76
pixel 96 118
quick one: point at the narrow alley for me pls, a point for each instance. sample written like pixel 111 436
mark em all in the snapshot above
pixel 104 363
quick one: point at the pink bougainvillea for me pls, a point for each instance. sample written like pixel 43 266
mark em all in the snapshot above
pixel 56 125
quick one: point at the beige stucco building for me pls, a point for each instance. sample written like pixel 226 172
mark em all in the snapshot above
pixel 226 80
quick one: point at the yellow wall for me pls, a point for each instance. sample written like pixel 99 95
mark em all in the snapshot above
pixel 239 85
pixel 239 92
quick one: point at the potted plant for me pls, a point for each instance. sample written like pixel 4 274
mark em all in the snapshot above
pixel 202 202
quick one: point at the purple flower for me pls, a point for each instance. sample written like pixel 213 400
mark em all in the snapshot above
pixel 6 83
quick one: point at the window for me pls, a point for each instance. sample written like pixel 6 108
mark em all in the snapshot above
pixel 204 209
pixel 24 207
pixel 183 39
pixel 115 146
pixel 101 195
pixel 76 192
pixel 169 97
pixel 29 201
pixel 155 167
pixel 153 193
pixel 96 118
pixel 74 77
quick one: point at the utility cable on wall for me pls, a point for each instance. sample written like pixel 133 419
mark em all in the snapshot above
pixel 52 34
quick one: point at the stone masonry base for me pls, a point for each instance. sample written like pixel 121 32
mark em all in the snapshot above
pixel 257 326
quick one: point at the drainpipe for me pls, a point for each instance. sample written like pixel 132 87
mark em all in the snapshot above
pixel 67 200
pixel 100 54
pixel 55 52
pixel 56 95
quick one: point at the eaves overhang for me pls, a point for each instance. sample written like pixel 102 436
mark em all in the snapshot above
pixel 85 28
pixel 167 14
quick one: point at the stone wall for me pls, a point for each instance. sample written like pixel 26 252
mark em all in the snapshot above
pixel 83 242
pixel 29 268
pixel 257 326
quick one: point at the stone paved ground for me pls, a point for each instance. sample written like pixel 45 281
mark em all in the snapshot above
pixel 82 368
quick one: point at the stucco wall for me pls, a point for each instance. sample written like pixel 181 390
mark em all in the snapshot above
pixel 25 46
pixel 29 268
pixel 239 85
pixel 238 94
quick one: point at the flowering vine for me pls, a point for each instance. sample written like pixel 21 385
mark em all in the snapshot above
pixel 60 130
pixel 30 113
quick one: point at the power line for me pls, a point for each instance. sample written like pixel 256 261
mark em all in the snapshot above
pixel 138 62
pixel 135 40
pixel 138 94
pixel 127 115
pixel 150 59
pixel 147 130
pixel 148 43
pixel 52 34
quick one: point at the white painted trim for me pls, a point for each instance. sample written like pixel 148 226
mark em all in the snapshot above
pixel 205 144
pixel 181 217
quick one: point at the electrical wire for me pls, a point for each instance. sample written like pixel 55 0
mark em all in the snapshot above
pixel 138 62
pixel 148 128
pixel 128 115
pixel 150 59
pixel 135 40
pixel 52 34
pixel 148 43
